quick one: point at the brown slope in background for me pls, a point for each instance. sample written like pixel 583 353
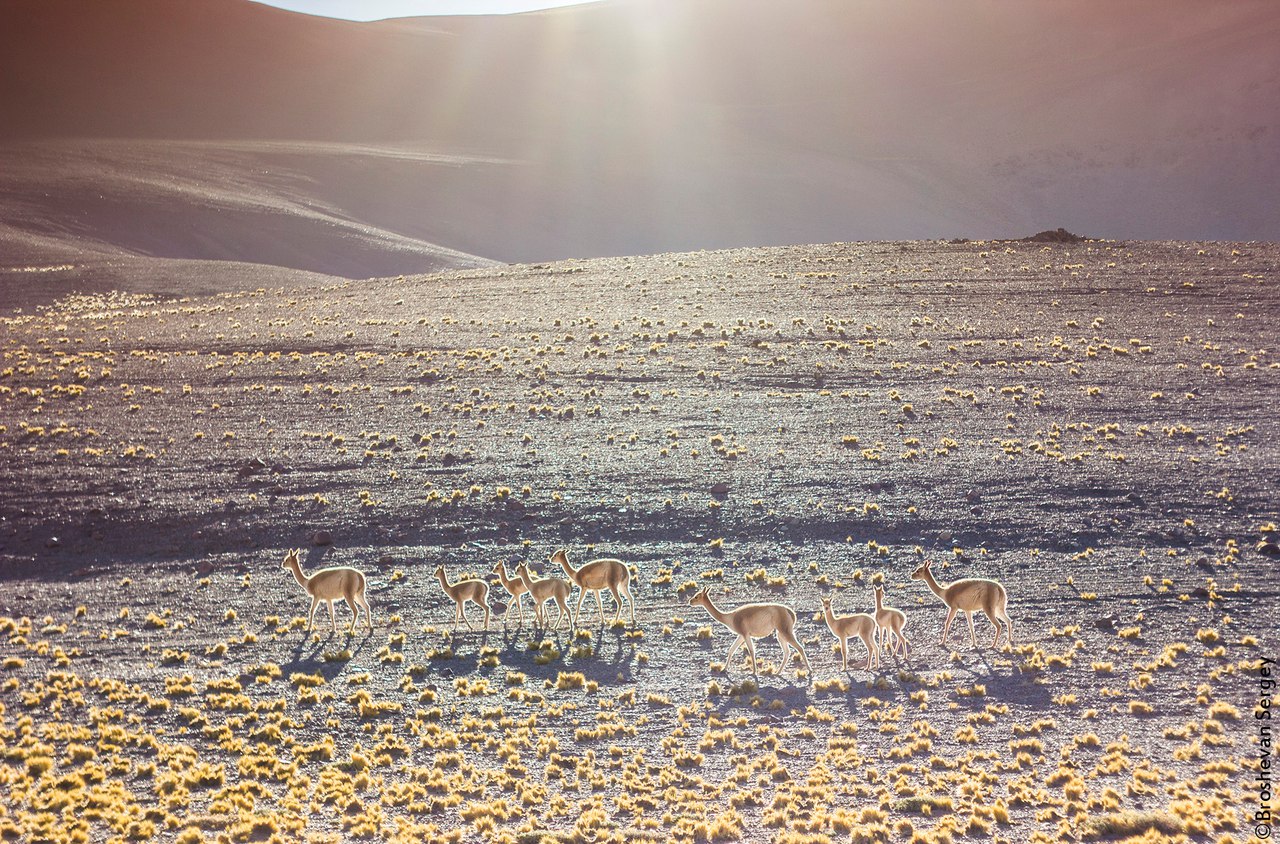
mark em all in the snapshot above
pixel 628 127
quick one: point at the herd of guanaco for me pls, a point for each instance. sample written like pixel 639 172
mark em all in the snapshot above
pixel 881 630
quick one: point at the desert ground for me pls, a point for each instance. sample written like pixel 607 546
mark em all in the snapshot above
pixel 1090 423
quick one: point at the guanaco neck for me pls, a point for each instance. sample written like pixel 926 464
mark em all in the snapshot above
pixel 715 612
pixel 568 569
pixel 522 574
pixel 515 583
pixel 829 615
pixel 296 568
pixel 933 584
pixel 879 601
pixel 440 576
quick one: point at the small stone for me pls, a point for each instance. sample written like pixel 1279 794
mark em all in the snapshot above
pixel 321 538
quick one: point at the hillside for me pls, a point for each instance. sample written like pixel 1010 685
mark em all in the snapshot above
pixel 362 149
pixel 1092 424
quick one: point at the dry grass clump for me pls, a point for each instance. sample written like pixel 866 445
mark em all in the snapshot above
pixel 1131 823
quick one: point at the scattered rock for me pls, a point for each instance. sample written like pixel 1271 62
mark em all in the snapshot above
pixel 321 538
pixel 1268 547
pixel 720 488
pixel 53 542
pixel 252 467
pixel 1058 235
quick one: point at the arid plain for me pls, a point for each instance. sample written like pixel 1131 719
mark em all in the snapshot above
pixel 1093 424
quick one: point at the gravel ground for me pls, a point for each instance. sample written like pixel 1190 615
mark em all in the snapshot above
pixel 1090 423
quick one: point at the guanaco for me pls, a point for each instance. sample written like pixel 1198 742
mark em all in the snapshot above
pixel 545 589
pixel 755 621
pixel 476 591
pixel 596 576
pixel 330 585
pixel 515 588
pixel 844 626
pixel 968 596
pixel 891 623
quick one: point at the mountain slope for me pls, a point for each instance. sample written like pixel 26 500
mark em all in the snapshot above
pixel 627 127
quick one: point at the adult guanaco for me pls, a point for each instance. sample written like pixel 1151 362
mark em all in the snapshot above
pixel 476 591
pixel 845 626
pixel 597 576
pixel 968 596
pixel 543 590
pixel 331 584
pixel 755 621
pixel 515 588
pixel 891 623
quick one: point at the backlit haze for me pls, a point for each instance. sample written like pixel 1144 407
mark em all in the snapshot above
pixel 369 10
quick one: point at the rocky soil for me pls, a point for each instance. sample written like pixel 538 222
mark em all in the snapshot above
pixel 1091 423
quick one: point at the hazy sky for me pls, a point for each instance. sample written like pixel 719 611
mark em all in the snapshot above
pixel 367 10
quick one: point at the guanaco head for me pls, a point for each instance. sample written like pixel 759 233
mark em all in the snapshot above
pixel 522 570
pixel 291 558
pixel 560 558
pixel 439 572
pixel 879 590
pixel 919 573
pixel 700 599
pixel 826 604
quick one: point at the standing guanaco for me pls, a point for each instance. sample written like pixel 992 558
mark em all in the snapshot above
pixel 969 596
pixel 755 621
pixel 331 584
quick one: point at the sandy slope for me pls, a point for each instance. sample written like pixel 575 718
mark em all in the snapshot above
pixel 628 128
pixel 75 204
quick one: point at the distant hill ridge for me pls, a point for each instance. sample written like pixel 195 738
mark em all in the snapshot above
pixel 625 127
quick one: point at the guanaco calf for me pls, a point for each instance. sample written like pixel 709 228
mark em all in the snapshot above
pixel 968 596
pixel 330 585
pixel 597 576
pixel 844 626
pixel 890 623
pixel 545 589
pixel 755 621
pixel 515 588
pixel 476 591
